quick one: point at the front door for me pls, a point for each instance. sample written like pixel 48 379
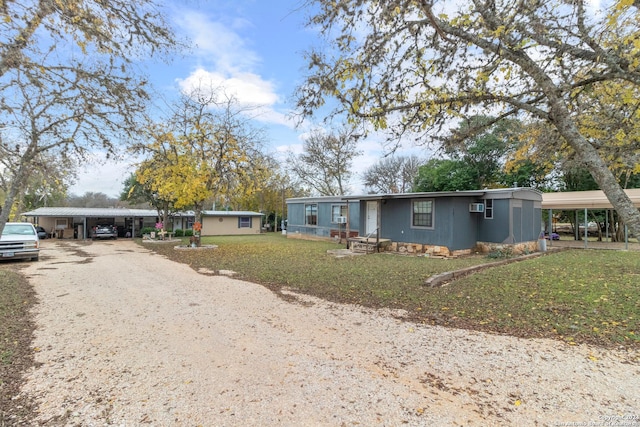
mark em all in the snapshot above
pixel 372 217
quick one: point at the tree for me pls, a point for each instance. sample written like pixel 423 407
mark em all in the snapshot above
pixel 411 67
pixel 135 193
pixel 324 166
pixel 206 150
pixel 482 154
pixel 67 82
pixel 445 175
pixel 394 174
pixel 91 200
pixel 271 187
pixel 533 158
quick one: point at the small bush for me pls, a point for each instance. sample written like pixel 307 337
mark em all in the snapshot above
pixel 188 233
pixel 502 253
pixel 179 232
pixel 147 230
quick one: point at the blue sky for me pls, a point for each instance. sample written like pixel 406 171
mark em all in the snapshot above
pixel 253 48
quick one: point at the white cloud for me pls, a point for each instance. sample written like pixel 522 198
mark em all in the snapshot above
pixel 107 178
pixel 216 44
pixel 227 63
pixel 248 88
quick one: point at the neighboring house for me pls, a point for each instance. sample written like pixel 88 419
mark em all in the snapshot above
pixel 442 223
pixel 218 223
pixel 321 216
pixel 76 223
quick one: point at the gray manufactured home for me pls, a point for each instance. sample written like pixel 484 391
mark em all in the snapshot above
pixel 438 222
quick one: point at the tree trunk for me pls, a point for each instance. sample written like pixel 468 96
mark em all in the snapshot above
pixel 14 189
pixel 198 219
pixel 605 179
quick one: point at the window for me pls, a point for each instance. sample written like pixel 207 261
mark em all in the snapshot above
pixel 311 214
pixel 337 211
pixel 244 222
pixel 422 215
pixel 488 208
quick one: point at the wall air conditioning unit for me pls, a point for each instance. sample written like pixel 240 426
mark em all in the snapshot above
pixel 476 207
pixel 342 220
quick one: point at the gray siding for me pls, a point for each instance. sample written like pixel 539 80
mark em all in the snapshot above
pixel 454 226
pixel 296 218
pixel 514 220
pixel 354 216
pixel 517 225
pixel 496 230
pixel 531 220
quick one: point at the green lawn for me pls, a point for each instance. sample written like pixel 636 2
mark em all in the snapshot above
pixel 576 296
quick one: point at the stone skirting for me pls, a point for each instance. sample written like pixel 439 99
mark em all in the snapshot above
pixel 418 249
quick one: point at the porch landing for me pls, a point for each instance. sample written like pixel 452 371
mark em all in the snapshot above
pixel 368 244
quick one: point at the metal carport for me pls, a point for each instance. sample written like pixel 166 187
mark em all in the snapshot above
pixel 575 200
pixel 84 213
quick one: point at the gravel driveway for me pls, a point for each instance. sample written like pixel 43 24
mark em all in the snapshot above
pixel 126 337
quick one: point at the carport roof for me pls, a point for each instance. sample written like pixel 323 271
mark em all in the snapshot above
pixel 92 212
pixel 584 199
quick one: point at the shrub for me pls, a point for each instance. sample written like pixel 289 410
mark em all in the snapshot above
pixel 179 232
pixel 147 230
pixel 188 233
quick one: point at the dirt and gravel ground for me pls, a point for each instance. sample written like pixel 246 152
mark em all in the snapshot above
pixel 125 337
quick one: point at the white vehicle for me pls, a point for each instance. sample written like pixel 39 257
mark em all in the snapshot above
pixel 19 240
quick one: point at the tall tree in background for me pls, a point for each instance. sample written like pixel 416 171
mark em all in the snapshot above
pixel 445 175
pixel 207 150
pixel 533 158
pixel 67 82
pixel 483 153
pixel 410 67
pixel 135 193
pixel 325 163
pixel 394 174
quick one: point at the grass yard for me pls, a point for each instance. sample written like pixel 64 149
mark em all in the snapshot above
pixel 16 328
pixel 577 296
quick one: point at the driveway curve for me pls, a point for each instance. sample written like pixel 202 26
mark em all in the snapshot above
pixel 126 337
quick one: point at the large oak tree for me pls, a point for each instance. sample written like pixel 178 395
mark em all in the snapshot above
pixel 69 85
pixel 411 67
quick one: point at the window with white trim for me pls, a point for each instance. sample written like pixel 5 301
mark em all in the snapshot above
pixel 488 209
pixel 338 211
pixel 244 222
pixel 422 213
pixel 311 214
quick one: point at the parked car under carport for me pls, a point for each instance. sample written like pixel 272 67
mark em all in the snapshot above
pixel 42 233
pixel 104 232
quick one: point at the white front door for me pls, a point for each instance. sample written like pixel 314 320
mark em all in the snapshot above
pixel 372 217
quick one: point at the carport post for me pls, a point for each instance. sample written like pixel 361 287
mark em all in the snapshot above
pixel 586 229
pixel 550 226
